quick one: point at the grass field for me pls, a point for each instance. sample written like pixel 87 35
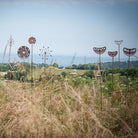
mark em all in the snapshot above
pixel 65 105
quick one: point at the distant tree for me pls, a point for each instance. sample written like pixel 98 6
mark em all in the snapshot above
pixel 55 65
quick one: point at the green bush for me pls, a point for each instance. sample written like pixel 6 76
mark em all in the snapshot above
pixel 16 76
pixel 9 76
pixel 88 74
pixel 55 65
pixel 63 74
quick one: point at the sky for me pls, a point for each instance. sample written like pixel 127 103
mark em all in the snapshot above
pixel 69 26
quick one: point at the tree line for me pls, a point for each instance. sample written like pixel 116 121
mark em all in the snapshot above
pixel 104 66
pixel 90 66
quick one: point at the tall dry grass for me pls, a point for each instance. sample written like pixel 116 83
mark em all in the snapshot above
pixel 56 109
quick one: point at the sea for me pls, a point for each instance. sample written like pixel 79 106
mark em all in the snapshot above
pixel 61 60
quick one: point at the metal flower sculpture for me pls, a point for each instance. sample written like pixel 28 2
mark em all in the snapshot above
pixel 129 53
pixel 32 40
pixel 23 52
pixel 100 51
pixel 112 54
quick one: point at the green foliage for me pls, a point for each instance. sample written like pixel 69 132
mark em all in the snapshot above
pixel 76 80
pixel 89 74
pixel 123 65
pixel 55 65
pixel 21 76
pixel 132 72
pixel 85 66
pixel 105 66
pixel 63 74
pixel 9 76
pixel 65 94
pixel 3 68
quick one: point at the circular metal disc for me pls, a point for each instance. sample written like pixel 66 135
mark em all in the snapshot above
pixel 23 52
pixel 32 40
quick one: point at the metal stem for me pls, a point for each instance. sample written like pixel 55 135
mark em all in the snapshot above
pixel 119 60
pixel 112 78
pixel 100 79
pixel 44 62
pixel 31 64
pixel 128 73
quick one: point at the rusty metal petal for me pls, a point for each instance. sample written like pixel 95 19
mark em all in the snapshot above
pixel 100 50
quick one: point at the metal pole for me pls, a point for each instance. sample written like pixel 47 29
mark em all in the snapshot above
pixel 128 73
pixel 128 62
pixel 112 78
pixel 31 64
pixel 119 60
pixel 129 52
pixel 44 59
pixel 118 42
pixel 100 51
pixel 31 41
pixel 100 80
pixel 112 54
pixel 45 62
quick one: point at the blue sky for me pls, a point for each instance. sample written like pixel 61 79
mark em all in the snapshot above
pixel 69 26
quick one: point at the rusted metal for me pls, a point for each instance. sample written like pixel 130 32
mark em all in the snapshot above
pixel 32 40
pixel 129 53
pixel 118 42
pixel 23 52
pixel 45 52
pixel 100 50
pixel 112 54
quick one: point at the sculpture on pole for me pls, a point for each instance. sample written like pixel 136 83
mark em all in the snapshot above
pixel 112 54
pixel 129 53
pixel 32 41
pixel 100 51
pixel 45 52
pixel 118 42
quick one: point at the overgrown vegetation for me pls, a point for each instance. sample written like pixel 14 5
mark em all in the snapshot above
pixel 67 103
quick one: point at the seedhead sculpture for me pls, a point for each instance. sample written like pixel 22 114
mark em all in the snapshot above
pixel 119 42
pixel 32 41
pixel 100 51
pixel 23 52
pixel 112 54
pixel 129 53
pixel 45 52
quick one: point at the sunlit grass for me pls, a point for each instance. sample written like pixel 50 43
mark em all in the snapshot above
pixel 64 106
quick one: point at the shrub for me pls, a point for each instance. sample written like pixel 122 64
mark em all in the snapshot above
pixel 16 76
pixel 89 74
pixel 63 74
